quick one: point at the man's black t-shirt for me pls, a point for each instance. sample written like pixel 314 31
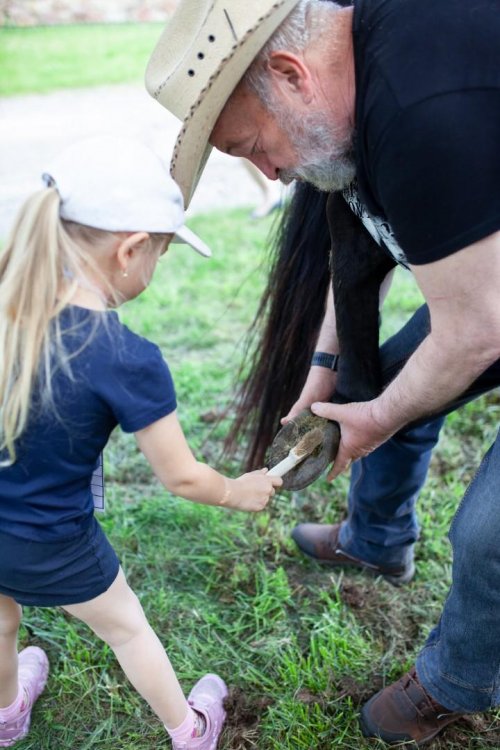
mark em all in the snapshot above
pixel 428 120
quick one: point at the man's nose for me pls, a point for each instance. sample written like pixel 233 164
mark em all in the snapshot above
pixel 262 162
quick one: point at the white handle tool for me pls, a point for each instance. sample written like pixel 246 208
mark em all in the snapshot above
pixel 304 448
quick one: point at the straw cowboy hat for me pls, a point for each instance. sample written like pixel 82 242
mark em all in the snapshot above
pixel 200 58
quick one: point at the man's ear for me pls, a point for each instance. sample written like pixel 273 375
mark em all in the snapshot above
pixel 128 247
pixel 291 76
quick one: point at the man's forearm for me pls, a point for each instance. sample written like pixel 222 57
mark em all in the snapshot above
pixel 462 293
pixel 327 338
pixel 433 376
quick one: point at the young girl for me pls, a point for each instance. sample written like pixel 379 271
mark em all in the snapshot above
pixel 69 373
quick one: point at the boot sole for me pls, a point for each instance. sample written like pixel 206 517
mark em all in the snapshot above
pixel 394 580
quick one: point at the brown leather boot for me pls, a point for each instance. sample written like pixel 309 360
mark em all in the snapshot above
pixel 321 542
pixel 404 711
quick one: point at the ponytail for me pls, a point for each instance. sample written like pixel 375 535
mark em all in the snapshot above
pixel 38 258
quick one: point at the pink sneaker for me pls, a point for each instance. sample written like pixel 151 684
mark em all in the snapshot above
pixel 207 697
pixel 33 672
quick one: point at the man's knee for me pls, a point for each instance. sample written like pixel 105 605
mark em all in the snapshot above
pixel 474 536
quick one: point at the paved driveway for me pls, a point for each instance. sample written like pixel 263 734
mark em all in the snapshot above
pixel 34 128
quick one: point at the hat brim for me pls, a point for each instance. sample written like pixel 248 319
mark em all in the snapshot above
pixel 192 149
pixel 187 237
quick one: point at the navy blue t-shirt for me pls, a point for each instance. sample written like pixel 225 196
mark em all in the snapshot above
pixel 116 377
pixel 428 120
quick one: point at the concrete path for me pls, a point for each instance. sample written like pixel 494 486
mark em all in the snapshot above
pixel 34 128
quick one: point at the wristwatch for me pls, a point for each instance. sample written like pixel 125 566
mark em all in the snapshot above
pixel 322 359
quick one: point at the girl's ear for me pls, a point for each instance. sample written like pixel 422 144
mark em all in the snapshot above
pixel 291 76
pixel 128 247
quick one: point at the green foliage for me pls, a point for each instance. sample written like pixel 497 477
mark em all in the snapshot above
pixel 300 646
pixel 41 59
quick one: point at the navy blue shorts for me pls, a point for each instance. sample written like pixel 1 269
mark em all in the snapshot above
pixel 49 574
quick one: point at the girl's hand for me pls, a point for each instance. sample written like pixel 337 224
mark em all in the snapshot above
pixel 251 492
pixel 164 445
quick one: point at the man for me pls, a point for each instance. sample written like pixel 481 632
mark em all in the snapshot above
pixel 406 98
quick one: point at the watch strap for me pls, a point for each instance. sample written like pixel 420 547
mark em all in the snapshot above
pixel 323 359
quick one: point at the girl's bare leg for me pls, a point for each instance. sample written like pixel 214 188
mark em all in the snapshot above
pixel 118 619
pixel 10 619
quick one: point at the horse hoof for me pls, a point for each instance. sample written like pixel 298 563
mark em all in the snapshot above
pixel 315 464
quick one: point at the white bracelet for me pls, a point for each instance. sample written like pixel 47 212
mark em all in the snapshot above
pixel 227 493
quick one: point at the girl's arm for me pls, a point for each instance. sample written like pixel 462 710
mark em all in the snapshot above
pixel 165 447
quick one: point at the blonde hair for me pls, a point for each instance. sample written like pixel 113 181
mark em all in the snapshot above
pixel 40 267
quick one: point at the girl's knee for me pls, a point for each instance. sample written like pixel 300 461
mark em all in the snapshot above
pixel 115 616
pixel 10 616
pixel 130 622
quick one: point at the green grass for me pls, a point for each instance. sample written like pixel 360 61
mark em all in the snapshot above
pixel 300 646
pixel 41 59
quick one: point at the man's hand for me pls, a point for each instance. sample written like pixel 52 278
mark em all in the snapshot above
pixel 319 386
pixel 360 434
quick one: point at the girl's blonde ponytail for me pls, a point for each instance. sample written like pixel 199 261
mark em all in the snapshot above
pixel 45 259
pixel 37 256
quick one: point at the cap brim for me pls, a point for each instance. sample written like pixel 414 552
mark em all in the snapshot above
pixel 187 237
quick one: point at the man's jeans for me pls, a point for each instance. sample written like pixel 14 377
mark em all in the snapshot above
pixel 460 663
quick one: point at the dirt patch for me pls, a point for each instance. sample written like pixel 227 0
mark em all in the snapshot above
pixel 244 713
pixel 463 734
pixel 352 595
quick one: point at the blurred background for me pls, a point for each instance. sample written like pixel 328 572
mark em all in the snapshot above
pixel 71 68
pixel 48 12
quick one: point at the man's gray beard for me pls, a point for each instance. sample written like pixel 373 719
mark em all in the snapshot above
pixel 327 177
pixel 326 157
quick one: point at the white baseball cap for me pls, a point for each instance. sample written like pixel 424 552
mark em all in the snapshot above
pixel 119 184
